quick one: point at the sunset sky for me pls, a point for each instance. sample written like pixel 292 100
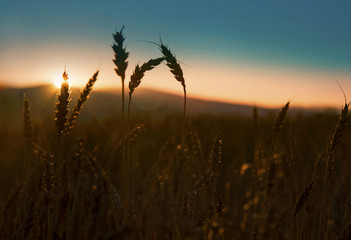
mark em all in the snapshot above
pixel 254 52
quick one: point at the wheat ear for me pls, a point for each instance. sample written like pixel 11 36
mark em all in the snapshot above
pixel 303 197
pixel 84 95
pixel 177 72
pixel 121 63
pixel 272 166
pixel 120 60
pixel 62 106
pixel 27 121
pixel 281 117
pixel 335 140
pixel 139 72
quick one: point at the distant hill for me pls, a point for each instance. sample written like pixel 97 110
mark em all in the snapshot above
pixel 103 103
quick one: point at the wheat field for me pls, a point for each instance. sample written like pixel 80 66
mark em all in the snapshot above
pixel 179 176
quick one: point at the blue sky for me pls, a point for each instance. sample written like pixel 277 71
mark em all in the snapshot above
pixel 296 36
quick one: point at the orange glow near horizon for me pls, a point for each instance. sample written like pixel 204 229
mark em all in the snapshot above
pixel 206 78
pixel 261 87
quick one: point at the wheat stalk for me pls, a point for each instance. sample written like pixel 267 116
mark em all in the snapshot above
pixel 84 95
pixel 329 171
pixel 335 140
pixel 135 80
pixel 27 121
pixel 120 60
pixel 281 117
pixel 346 233
pixel 173 64
pixel 176 70
pixel 139 72
pixel 272 168
pixel 272 165
pixel 303 197
pixel 121 63
pixel 294 157
pixel 62 106
pixel 47 173
pixel 254 120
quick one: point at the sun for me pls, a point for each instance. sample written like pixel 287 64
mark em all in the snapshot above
pixel 57 82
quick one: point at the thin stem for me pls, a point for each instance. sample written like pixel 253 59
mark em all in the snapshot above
pixel 49 236
pixel 184 112
pixel 328 215
pixel 124 153
pixel 71 219
pixel 322 202
pixel 294 160
pixel 296 199
pixel 128 153
pixel 123 112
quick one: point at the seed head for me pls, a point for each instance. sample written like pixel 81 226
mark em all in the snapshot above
pixel 139 71
pixel 121 54
pixel 62 105
pixel 173 64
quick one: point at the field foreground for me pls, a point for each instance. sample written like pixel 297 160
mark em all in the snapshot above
pixel 225 177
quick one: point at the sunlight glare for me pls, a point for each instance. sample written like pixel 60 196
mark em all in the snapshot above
pixel 58 82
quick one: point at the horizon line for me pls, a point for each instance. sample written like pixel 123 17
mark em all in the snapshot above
pixel 193 97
